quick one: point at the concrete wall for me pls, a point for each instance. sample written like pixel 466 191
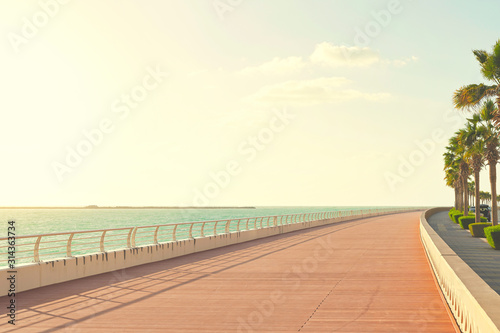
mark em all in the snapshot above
pixel 475 306
pixel 30 276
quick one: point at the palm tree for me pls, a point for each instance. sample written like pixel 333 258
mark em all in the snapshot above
pixel 471 96
pixel 484 196
pixel 453 180
pixel 487 115
pixel 452 171
pixel 454 158
pixel 474 144
pixel 472 191
pixel 461 137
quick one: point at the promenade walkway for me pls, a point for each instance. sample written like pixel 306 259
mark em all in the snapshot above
pixel 366 275
pixel 476 253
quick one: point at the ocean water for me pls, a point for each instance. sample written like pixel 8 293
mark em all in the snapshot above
pixel 30 222
pixel 44 221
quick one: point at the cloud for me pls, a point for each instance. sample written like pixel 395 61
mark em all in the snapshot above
pixel 321 90
pixel 278 66
pixel 311 92
pixel 327 55
pixel 403 62
pixel 336 56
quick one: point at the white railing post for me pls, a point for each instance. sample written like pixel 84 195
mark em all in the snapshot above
pixel 36 250
pixel 174 236
pixel 203 229
pixel 155 236
pixel 132 242
pixel 191 230
pixel 128 237
pixel 228 222
pixel 101 242
pixel 68 245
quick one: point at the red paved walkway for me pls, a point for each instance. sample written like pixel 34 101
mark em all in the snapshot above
pixel 369 275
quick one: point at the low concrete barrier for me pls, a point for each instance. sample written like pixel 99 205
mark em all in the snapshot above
pixel 475 306
pixel 35 275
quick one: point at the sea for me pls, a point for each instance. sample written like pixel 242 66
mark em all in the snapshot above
pixel 45 221
pixel 30 222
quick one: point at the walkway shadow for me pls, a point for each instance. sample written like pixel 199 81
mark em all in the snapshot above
pixel 79 300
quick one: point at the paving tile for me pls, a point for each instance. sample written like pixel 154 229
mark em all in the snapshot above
pixel 373 277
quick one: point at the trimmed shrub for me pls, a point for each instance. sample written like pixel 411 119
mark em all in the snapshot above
pixel 464 221
pixel 456 216
pixel 484 219
pixel 493 236
pixel 451 212
pixel 477 229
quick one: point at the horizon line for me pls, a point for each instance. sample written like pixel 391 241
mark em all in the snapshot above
pixel 193 207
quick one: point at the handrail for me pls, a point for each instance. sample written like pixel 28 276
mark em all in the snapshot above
pixel 111 239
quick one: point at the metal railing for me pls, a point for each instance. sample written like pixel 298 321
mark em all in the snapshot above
pixel 36 248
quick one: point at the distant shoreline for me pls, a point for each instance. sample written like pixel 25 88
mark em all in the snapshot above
pixel 129 207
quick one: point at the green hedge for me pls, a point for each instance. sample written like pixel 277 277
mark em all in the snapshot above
pixel 493 236
pixel 451 212
pixel 464 221
pixel 456 216
pixel 477 229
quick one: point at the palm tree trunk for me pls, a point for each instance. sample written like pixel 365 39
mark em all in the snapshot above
pixel 466 197
pixel 457 196
pixel 478 203
pixel 460 198
pixel 493 182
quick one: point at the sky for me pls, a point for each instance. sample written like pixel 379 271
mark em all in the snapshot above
pixel 234 102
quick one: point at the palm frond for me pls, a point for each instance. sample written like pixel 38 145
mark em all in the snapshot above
pixel 470 96
pixel 481 55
